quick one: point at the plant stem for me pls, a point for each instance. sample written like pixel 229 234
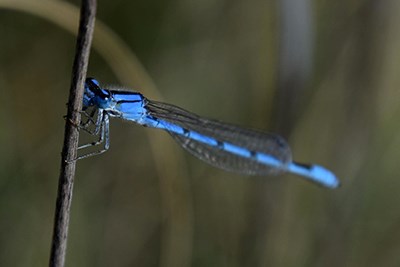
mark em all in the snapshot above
pixel 71 134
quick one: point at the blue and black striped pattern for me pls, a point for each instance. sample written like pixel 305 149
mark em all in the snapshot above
pixel 220 144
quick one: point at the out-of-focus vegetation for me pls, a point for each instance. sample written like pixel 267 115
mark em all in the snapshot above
pixel 325 74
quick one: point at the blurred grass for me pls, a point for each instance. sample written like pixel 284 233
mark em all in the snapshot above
pixel 145 202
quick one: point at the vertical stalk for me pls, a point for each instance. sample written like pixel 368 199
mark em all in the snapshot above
pixel 71 134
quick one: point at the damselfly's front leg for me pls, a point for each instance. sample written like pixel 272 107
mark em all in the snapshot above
pixel 102 130
pixel 86 126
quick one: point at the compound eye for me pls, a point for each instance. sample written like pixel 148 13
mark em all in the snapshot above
pixel 91 82
pixel 92 88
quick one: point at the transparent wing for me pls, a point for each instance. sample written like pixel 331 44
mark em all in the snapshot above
pixel 251 140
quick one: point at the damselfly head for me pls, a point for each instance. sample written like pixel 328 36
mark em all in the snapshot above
pixel 94 95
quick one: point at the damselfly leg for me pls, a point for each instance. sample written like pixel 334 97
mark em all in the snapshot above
pixel 101 130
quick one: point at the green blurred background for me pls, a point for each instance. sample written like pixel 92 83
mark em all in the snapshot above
pixel 324 74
